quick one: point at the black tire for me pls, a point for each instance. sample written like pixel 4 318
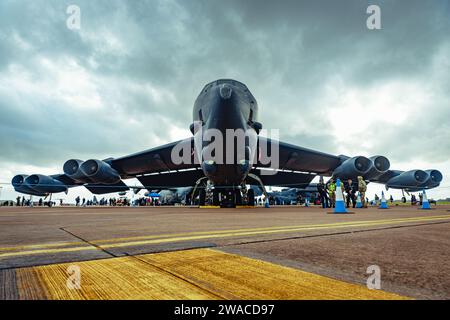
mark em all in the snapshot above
pixel 201 197
pixel 251 197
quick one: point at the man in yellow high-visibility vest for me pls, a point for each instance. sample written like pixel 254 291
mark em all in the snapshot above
pixel 332 192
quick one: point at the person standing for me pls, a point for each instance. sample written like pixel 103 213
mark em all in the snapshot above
pixel 322 193
pixel 77 201
pixel 413 200
pixel 362 188
pixel 350 189
pixel 332 192
pixel 391 199
pixel 18 201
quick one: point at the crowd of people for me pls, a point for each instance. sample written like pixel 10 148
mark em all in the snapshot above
pixel 114 202
pixel 147 201
pixel 83 202
pixel 419 202
pixel 22 202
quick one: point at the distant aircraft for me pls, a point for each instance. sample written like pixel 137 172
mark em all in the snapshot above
pixel 223 106
pixel 289 195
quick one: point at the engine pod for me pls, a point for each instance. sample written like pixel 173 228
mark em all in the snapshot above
pixel 72 168
pixel 408 179
pixel 380 165
pixel 353 167
pixel 99 171
pixel 44 184
pixel 434 179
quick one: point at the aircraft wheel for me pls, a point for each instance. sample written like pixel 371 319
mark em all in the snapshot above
pixel 251 197
pixel 216 201
pixel 201 197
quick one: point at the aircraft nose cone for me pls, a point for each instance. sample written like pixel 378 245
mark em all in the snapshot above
pixel 225 91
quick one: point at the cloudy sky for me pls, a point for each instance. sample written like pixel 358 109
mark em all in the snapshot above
pixel 127 79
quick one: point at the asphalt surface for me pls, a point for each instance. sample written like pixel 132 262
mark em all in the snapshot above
pixel 327 252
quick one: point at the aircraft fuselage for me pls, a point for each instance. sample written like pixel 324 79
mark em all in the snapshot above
pixel 224 116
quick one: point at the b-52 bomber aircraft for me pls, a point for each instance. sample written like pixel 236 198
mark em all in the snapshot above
pixel 225 154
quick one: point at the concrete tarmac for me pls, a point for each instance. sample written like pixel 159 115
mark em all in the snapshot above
pixel 251 253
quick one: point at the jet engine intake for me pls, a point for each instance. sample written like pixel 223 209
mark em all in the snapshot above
pixel 380 165
pixel 434 179
pixel 18 182
pixel 72 169
pixel 353 167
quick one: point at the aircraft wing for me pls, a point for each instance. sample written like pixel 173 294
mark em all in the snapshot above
pixel 295 158
pixel 294 166
pixel 297 166
pixel 153 167
pixel 154 160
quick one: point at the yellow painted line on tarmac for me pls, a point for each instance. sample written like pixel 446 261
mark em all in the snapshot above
pixel 158 239
pixel 103 241
pixel 46 251
pixel 43 245
pixel 190 274
pixel 250 233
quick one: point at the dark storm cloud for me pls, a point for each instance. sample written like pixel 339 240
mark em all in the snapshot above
pixel 144 62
